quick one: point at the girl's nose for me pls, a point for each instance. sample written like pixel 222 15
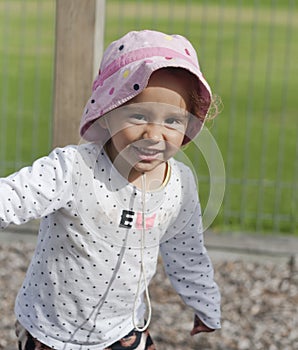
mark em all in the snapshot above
pixel 153 131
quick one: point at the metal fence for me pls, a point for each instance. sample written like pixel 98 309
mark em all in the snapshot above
pixel 247 51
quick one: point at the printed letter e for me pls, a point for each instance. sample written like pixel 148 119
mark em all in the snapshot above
pixel 126 218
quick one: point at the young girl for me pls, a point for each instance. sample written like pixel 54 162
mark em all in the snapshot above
pixel 109 206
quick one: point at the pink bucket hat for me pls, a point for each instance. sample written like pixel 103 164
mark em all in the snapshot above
pixel 126 67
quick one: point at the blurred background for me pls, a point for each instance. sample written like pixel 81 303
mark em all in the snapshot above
pixel 248 52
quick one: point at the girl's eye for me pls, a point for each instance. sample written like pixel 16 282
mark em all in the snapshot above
pixel 138 118
pixel 173 121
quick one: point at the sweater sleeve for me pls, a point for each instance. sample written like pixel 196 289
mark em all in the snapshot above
pixel 187 262
pixel 37 190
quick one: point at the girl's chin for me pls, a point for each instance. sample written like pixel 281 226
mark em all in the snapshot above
pixel 145 166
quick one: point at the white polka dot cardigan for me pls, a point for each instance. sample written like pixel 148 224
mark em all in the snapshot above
pixel 81 285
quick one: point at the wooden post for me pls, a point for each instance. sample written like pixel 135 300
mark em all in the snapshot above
pixel 99 34
pixel 76 22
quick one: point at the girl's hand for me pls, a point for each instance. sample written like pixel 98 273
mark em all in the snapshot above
pixel 199 327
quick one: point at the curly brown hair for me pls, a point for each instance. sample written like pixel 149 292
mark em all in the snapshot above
pixel 201 106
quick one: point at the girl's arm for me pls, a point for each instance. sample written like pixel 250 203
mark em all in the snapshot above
pixel 187 262
pixel 37 190
pixel 190 271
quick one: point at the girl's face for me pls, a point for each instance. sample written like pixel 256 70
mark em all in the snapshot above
pixel 150 128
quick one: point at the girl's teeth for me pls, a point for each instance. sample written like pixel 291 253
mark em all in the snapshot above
pixel 147 151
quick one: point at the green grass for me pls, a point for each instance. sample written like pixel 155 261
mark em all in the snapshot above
pixel 26 61
pixel 247 50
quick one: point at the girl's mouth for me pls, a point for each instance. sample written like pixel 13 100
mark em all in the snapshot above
pixel 147 154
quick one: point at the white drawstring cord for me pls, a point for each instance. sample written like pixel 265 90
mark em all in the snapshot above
pixel 143 271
